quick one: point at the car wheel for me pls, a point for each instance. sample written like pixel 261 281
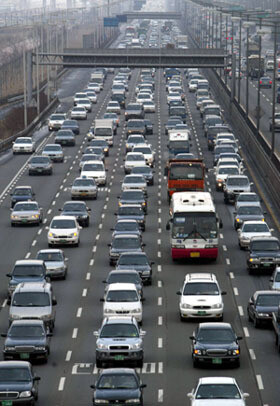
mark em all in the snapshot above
pixel 226 200
pixel 139 364
pixel 50 245
pixel 13 224
pixel 256 323
pixel 182 318
pixel 249 317
pixel 64 276
pixel 77 244
pixel 99 364
pixel 195 363
pixel 87 223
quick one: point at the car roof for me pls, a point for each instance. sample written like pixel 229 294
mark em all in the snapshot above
pixel 64 218
pixel 12 364
pixel 122 286
pixel 22 187
pixel 28 322
pixel 125 236
pixel 200 277
pixel 216 325
pixel 115 371
pixel 123 271
pixel 217 380
pixel 50 251
pixel 118 319
pixel 29 262
pixel 33 287
pixel 267 292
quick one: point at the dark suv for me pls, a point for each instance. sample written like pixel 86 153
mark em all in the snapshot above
pixel 18 383
pixel 264 254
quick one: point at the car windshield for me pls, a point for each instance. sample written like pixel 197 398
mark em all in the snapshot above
pixel 135 157
pixel 39 160
pixel 237 182
pixel 80 109
pixel 26 331
pixel 142 170
pixel 119 330
pixel 28 270
pixel 134 179
pixel 70 123
pixel 93 167
pixel 133 107
pixel 126 243
pixel 57 117
pixel 133 260
pixel 255 228
pixel 124 278
pixel 200 288
pixel 52 148
pixel 26 207
pixel 228 171
pixel 122 296
pixel 16 374
pixel 84 182
pixel 215 335
pixel 248 198
pixel 135 140
pixel 127 226
pixel 268 300
pixel 116 381
pixel 148 103
pixel 31 299
pixel 50 256
pixel 265 245
pixel 132 195
pixel 74 207
pixel 218 391
pixel 23 141
pixel 88 157
pixel 249 210
pixel 213 121
pixel 63 223
pixel 22 192
pixel 64 133
pixel 130 211
pixel 144 150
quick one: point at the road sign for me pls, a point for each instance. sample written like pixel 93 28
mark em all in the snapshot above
pixel 122 18
pixel 111 22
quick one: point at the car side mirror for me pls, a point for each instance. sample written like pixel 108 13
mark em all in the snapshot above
pixel 80 227
pixel 47 228
pixel 143 385
pixel 102 299
pixel 246 395
pixel 251 183
pixel 36 378
pixel 92 386
pixel 190 395
pixel 59 209
pixel 54 302
pixel 96 333
pixel 179 293
pixel 223 292
pixel 192 337
pixel 239 338
pixel 167 226
pixel 3 334
pixel 49 334
pixel 9 275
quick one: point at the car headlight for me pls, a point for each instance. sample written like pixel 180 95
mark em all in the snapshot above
pixel 46 317
pixel 253 260
pixel 235 352
pixel 101 346
pixel 9 348
pixel 136 311
pixel 217 306
pixel 263 314
pixel 100 401
pixel 108 311
pixel 243 237
pixel 146 273
pixel 186 306
pixel 25 394
pixel 15 317
pixel 35 216
pixel 133 401
pixel 51 234
pixel 237 220
pixel 14 217
pixel 197 352
pixel 74 235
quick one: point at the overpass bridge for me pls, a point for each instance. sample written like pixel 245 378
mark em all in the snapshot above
pixel 152 15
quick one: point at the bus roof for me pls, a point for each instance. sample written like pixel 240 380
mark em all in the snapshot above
pixel 179 136
pixel 183 202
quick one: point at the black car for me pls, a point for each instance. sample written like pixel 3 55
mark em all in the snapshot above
pixel 126 227
pixel 175 103
pixel 18 383
pixel 22 194
pixel 101 144
pixel 215 344
pixel 210 121
pixel 133 197
pixel 27 340
pixel 178 111
pixel 264 254
pixel 149 126
pixel 65 137
pixel 133 212
pixel 135 127
pixel 71 125
pixel 171 123
pixel 125 276
pixel 118 386
pixel 119 97
pixel 77 209
pixel 134 111
pixel 146 171
pixel 261 306
pixel 124 243
pixel 40 165
pixel 138 261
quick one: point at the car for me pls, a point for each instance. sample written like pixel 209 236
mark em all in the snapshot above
pixel 144 97
pixel 24 213
pixel 40 165
pixel 86 103
pixel 149 126
pixel 84 188
pixel 33 300
pixel 119 341
pixel 26 270
pixel 118 385
pixel 134 126
pixel 54 152
pixel 125 276
pixel 173 96
pixel 71 125
pixel 227 162
pixel 65 137
pixel 149 106
pixel 276 122
pixel 148 153
pixel 171 123
pixel 78 96
pixel 55 262
pixel 251 229
pixel 114 117
pixel 221 149
pixel 246 213
pixel 18 383
pixel 27 340
pixel 95 87
pixel 134 182
pixel 132 212
pixel 178 111
pixel 22 194
pixel 122 299
pixel 95 170
pixel 234 185
pixel 226 142
pixel 77 209
pixel 247 198
pixel 222 174
pixel 134 111
pixel 274 281
pixel 265 82
pixel 215 344
pixel 124 243
pixel 138 261
pixel 261 305
pixel 134 140
pixel 64 230
pixel 120 98
pixel 264 254
pixel 216 391
pixel 55 121
pixel 128 226
pixel 201 297
pixel 113 107
pixel 133 197
pixel 88 158
pixel 192 85
pixel 23 145
pixel 185 156
pixel 132 160
pixel 146 172
pixel 97 151
pixel 91 95
pixel 78 113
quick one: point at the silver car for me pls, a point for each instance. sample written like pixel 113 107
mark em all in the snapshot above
pixel 251 229
pixel 26 213
pixel 274 282
pixel 245 199
pixel 54 152
pixel 84 188
pixel 134 182
pixel 55 262
pixel 234 185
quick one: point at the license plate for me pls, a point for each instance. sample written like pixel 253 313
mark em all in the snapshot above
pixel 24 220
pixel 216 361
pixel 40 170
pixel 266 264
pixel 201 313
pixel 63 241
pixel 195 254
pixel 119 357
pixel 7 403
pixel 24 355
pixel 83 194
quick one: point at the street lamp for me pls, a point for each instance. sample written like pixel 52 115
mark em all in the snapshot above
pixel 238 19
pixel 247 25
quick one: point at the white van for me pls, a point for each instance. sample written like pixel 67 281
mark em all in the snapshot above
pixel 179 142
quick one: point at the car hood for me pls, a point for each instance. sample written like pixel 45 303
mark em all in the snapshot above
pixel 54 264
pixel 254 234
pixel 24 341
pixel 126 306
pixel 117 394
pixel 214 346
pixel 201 300
pixel 63 231
pixel 266 309
pixel 20 198
pixel 124 249
pixel 25 213
pixel 15 386
pixel 27 312
pixel 266 254
pixel 218 402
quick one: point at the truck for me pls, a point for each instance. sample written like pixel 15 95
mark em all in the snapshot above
pixel 182 41
pixel 97 77
pixel 104 129
pixel 184 175
pixel 253 66
pixel 253 48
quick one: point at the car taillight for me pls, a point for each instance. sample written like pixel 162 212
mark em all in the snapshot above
pixel 270 82
pixel 260 82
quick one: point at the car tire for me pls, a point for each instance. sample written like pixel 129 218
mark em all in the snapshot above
pixel 77 244
pixel 13 225
pixel 99 364
pixel 249 317
pixel 64 276
pixel 256 323
pixel 139 364
pixel 195 363
pixel 86 224
pixel 50 245
pixel 226 200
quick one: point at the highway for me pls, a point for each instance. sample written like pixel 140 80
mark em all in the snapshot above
pixel 168 370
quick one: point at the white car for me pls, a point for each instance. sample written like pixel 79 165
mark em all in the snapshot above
pixel 94 170
pixel 149 106
pixel 79 96
pixel 23 145
pixel 64 230
pixel 222 174
pixel 174 97
pixel 56 120
pixel 148 153
pixel 78 113
pixel 251 229
pixel 201 297
pixel 142 97
pixel 86 103
pixel 247 198
pixel 122 299
pixel 94 87
pixel 91 95
pixel 192 85
pixel 113 107
pixel 217 391
pixel 199 101
pixel 132 160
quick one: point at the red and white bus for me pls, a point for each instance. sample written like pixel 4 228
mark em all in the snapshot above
pixel 130 32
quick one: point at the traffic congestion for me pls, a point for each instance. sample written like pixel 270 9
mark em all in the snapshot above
pixel 141 265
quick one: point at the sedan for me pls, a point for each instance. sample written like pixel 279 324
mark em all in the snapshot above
pixel 71 125
pixel 149 106
pixel 134 182
pixel 171 124
pixel 247 213
pixel 55 262
pixel 274 282
pixel 133 197
pixel 126 227
pixel 138 261
pixel 96 171
pixel 118 385
pixel 132 212
pixel 40 165
pixel 86 103
pixel 22 194
pixel 135 127
pixel 125 276
pixel 92 96
pixel 23 145
pixel 217 391
pixel 84 188
pixel 266 81
pixel 124 243
pixel 113 107
pixel 215 344
pixel 101 144
pixel 77 209
pixel 251 229
pixel 132 160
pixel 261 305
pixel 133 140
pixel 146 172
pixel 26 213
pixel 54 152
pixel 55 121
pixel 64 230
pixel 78 113
pixel 65 137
